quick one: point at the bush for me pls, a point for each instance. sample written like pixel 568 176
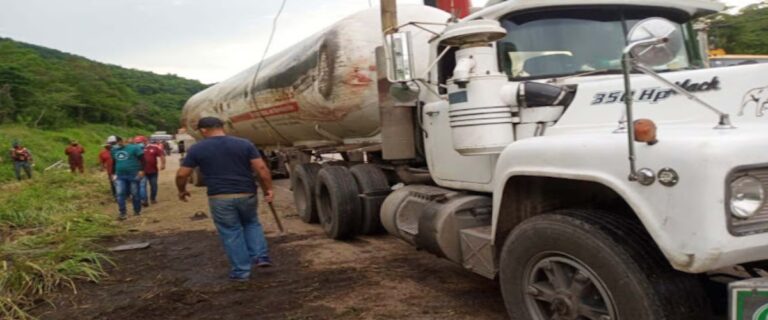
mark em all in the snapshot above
pixel 49 226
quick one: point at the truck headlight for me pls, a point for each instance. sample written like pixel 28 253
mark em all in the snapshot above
pixel 747 196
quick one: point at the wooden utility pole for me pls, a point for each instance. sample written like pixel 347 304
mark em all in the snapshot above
pixel 397 126
pixel 388 16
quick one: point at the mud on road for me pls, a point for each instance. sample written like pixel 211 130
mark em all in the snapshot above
pixel 183 274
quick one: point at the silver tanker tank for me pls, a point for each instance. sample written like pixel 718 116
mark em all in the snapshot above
pixel 320 89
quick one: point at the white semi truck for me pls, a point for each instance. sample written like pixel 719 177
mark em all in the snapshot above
pixel 578 151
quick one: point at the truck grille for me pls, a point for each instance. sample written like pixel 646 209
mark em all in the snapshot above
pixel 759 222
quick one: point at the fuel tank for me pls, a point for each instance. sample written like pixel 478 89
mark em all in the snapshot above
pixel 321 91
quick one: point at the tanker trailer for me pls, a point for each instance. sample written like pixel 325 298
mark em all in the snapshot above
pixel 320 92
pixel 536 174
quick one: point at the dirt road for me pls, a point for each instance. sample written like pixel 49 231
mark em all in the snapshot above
pixel 183 275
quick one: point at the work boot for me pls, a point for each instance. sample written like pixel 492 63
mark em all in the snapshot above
pixel 239 279
pixel 137 214
pixel 121 217
pixel 145 204
pixel 154 201
pixel 263 262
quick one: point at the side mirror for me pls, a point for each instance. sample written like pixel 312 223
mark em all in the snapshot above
pixel 654 42
pixel 399 57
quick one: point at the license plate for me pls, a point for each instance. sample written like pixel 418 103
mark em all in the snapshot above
pixel 749 299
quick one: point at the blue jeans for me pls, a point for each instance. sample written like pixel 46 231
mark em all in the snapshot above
pixel 123 185
pixel 18 165
pixel 240 232
pixel 152 179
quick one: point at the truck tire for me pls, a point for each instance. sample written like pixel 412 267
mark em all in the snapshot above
pixel 199 180
pixel 337 202
pixel 303 185
pixel 583 264
pixel 338 163
pixel 371 181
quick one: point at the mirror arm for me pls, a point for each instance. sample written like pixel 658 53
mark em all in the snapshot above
pixel 418 25
pixel 725 119
pixel 434 63
pixel 626 66
pixel 647 42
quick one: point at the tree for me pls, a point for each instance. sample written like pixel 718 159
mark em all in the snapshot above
pixel 7 105
pixel 49 88
pixel 743 33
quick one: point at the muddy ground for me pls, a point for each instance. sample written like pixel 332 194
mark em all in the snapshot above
pixel 183 274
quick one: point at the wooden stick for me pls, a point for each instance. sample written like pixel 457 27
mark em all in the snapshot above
pixel 277 219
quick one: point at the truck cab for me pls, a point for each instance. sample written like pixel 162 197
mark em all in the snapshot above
pixel 580 153
pixel 527 105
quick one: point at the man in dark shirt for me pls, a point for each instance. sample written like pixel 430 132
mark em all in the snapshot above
pixel 22 159
pixel 228 165
pixel 182 148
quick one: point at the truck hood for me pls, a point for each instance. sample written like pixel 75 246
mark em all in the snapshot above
pixel 740 91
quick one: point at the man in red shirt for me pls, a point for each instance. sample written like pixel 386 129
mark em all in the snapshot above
pixel 105 159
pixel 151 154
pixel 75 153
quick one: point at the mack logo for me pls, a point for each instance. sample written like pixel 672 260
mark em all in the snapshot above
pixel 691 86
pixel 655 94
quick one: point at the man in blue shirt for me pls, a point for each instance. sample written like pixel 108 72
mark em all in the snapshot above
pixel 128 164
pixel 228 165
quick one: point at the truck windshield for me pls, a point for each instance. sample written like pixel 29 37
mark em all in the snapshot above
pixel 542 44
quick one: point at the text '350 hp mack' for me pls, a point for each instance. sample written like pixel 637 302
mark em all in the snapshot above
pixel 580 152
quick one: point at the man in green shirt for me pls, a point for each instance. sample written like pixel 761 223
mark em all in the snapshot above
pixel 128 164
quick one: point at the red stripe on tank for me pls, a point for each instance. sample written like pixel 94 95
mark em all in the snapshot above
pixel 285 108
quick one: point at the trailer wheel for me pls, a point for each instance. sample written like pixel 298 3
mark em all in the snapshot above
pixel 338 163
pixel 577 264
pixel 337 202
pixel 303 185
pixel 372 183
pixel 199 180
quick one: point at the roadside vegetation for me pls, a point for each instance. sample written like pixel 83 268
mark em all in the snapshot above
pixel 47 146
pixel 740 33
pixel 48 227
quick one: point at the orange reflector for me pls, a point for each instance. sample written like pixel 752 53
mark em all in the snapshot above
pixel 645 131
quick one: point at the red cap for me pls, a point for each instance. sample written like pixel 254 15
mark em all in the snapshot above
pixel 140 139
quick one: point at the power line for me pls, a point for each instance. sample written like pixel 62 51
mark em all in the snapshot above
pixel 258 68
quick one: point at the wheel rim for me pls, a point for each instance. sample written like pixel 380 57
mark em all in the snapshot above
pixel 560 287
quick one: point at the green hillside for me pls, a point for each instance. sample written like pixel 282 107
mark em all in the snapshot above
pixel 46 88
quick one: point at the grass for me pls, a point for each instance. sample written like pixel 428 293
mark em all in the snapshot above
pixel 48 226
pixel 47 146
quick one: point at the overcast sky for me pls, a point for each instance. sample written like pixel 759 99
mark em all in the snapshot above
pixel 208 40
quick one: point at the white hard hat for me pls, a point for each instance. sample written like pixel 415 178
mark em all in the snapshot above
pixel 111 139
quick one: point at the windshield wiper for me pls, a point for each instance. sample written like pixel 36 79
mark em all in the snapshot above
pixel 586 73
